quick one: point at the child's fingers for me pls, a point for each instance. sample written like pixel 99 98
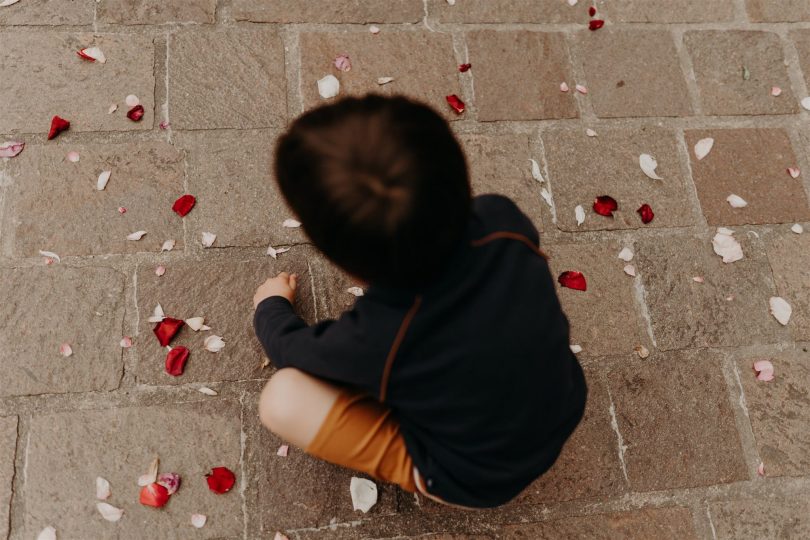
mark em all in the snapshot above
pixel 294 281
pixel 283 275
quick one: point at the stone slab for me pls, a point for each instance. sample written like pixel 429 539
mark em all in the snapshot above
pixel 43 77
pixel 676 422
pixel 750 163
pixel 428 72
pixel 648 82
pixel 670 11
pixel 778 10
pixel 233 78
pixel 761 518
pixel 53 204
pixel 298 491
pixel 328 11
pixel 230 173
pixel 8 452
pixel 779 411
pixel 500 164
pixel 718 59
pixel 534 63
pixel 687 314
pixel 789 255
pixel 801 40
pixel 582 168
pixel 604 319
pixel 48 13
pixel 667 522
pixel 589 464
pixel 137 12
pixel 46 306
pixel 507 11
pixel 68 450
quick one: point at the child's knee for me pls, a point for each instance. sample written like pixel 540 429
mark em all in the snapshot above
pixel 277 402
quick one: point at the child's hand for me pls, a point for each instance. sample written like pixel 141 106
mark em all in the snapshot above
pixel 283 284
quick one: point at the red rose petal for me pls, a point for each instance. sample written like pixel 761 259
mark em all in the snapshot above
pixel 464 67
pixel 58 125
pixel 220 480
pixel 166 329
pixel 184 204
pixel 455 102
pixel 591 11
pixel 596 24
pixel 573 280
pixel 154 495
pixel 646 213
pixel 605 205
pixel 176 361
pixel 135 113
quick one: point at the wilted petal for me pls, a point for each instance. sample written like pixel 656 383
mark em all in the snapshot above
pixel 213 343
pixel 103 178
pixel 65 349
pixel 343 63
pixel 780 309
pixel 546 194
pixel 151 473
pixel 275 252
pixel 328 87
pixel 364 493
pixel 357 291
pixel 573 280
pixel 579 214
pixel 648 165
pixel 109 512
pixel 736 201
pixel 9 149
pixel 137 235
pixel 102 489
pixel 595 24
pixel 605 205
pixel 763 370
pixel 642 351
pixel 122 210
pixel 703 147
pixel 291 224
pixel 198 520
pixel 463 68
pixel 208 239
pixel 169 480
pixel 168 245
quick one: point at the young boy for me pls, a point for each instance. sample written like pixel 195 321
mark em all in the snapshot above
pixel 453 374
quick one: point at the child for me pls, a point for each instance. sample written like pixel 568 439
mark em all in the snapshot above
pixel 453 374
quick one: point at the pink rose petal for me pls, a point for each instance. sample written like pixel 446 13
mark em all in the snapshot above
pixel 794 172
pixel 764 370
pixel 283 450
pixel 581 89
pixel 343 63
pixel 171 481
pixel 564 87
pixel 374 29
pixel 126 342
pixel 160 270
pixel 73 156
pixel 776 91
pixel 65 349
pixel 761 469
pixel 10 149
pixel 122 210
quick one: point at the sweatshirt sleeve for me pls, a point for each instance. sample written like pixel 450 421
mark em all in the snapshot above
pixel 327 349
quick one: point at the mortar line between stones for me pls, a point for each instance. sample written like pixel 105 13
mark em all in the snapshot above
pixel 640 296
pixel 619 439
pixel 12 496
pixel 165 106
pixel 688 70
pixel 793 68
pixel 748 442
pixel 546 180
pixel 711 523
pixel 312 289
pixel 95 18
pixel 243 445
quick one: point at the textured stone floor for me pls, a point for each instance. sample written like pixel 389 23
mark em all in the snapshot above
pixel 670 445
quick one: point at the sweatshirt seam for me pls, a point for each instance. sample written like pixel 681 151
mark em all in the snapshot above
pixel 498 235
pixel 398 339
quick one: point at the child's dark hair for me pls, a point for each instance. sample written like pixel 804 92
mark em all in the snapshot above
pixel 380 185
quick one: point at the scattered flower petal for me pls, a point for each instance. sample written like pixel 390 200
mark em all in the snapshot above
pixel 343 63
pixel 590 133
pixel 166 329
pixel 536 171
pixel 126 342
pixel 291 224
pixel 102 489
pixel 58 125
pixel 746 73
pixel 626 254
pixel 137 235
pixel 208 239
pixel 592 11
pixel 581 89
pixel 158 314
pixel 154 495
pixel 220 480
pixel 73 156
pixel 646 213
pixel 195 323
pixel 328 87
pixel 451 2
pixel 164 124
pixel 122 210
pixel 183 205
pixel 546 196
pixel 94 54
pixel 168 245
pixel 109 512
pixel 151 474
pixel 374 29
pixel 198 520
pixel 736 201
pixel 9 149
pixel 806 103
pixel 798 229
pixel 763 370
pixel 50 255
pixel 564 87
pixel 357 291
pixel 605 205
pixel 776 91
pixel 275 252
pixel 136 113
pixel 455 102
pixel 364 493
pixel 642 351
pixel 794 172
pixel 132 100
pixel 573 280
pixel 65 349
pixel 648 165
pixel 207 391
pixel 780 309
pixel 595 24
pixel 698 279
pixel 214 343
pixel 579 214
pixel 630 270
pixel 464 67
pixel 112 108
pixel 384 80
pixel 703 147
pixel 283 450
pixel 160 270
pixel 576 349
pixel 761 469
pixel 572 2
pixel 169 480
pixel 103 178
pixel 48 533
pixel 726 246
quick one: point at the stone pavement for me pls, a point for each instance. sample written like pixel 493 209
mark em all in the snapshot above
pixel 670 445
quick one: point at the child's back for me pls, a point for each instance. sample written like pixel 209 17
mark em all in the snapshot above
pixel 470 360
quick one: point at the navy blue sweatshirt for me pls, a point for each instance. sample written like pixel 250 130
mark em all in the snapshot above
pixel 477 368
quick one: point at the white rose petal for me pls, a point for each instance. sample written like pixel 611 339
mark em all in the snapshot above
pixel 536 171
pixel 357 291
pixel 275 252
pixel 112 108
pixel 198 520
pixel 626 254
pixel 48 533
pixel 109 512
pixel 806 103
pixel 291 224
pixel 328 87
pixel 213 343
pixel 364 494
pixel 137 235
pixel 168 245
pixel 208 239
pixel 630 270
pixel 102 489
pixel 780 309
pixel 581 89
pixel 374 29
pixel 73 156
pixel 546 196
pixel 798 229
pixel 736 201
pixel 726 246
pixel 648 165
pixel 103 178
pixel 564 87
pixel 50 255
pixel 151 474
pixel 132 100
pixel 703 147
pixel 590 133
pixel 157 315
pixel 195 323
pixel 579 214
pixel 207 391
pixel 95 53
pixel 576 349
pixel 384 80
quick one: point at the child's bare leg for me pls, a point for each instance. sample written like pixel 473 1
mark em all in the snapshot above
pixel 294 405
